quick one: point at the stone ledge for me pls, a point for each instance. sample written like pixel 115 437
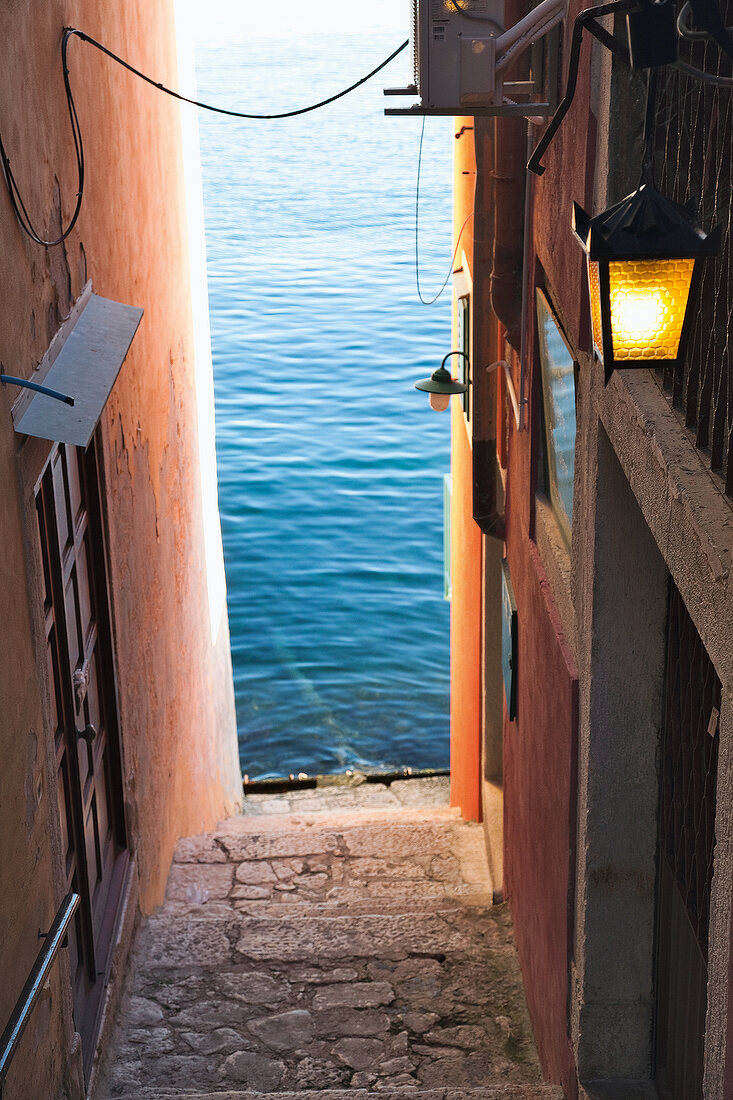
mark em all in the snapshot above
pixel 490 1092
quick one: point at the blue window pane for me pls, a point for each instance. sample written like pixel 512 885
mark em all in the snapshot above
pixel 558 387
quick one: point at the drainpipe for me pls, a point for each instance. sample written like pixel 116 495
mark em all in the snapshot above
pixel 503 207
pixel 506 200
pixel 509 183
pixel 486 503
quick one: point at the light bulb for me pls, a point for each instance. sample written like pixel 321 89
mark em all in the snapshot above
pixel 648 302
pixel 439 401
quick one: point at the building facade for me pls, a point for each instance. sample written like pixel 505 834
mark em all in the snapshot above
pixel 117 718
pixel 615 530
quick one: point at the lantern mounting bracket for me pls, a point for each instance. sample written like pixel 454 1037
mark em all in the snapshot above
pixel 586 20
pixel 653 30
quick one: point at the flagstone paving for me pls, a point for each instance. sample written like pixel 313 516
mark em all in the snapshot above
pixel 342 946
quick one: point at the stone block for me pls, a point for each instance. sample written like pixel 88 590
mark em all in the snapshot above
pixel 198 849
pixel 284 1030
pixel 419 1021
pixel 254 987
pixel 358 995
pixel 466 1036
pixel 396 1065
pixel 344 936
pixel 212 880
pixel 319 1073
pixel 314 976
pixel 171 942
pixel 275 844
pixel 360 1054
pixel 210 1014
pixel 253 1071
pixel 255 872
pixel 142 1012
pixel 222 1040
pixel 360 1022
pixel 250 893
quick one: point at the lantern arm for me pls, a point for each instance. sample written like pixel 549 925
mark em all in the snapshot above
pixel 587 20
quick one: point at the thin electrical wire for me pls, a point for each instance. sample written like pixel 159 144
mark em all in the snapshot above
pixel 16 198
pixel 647 163
pixel 433 300
pixel 223 111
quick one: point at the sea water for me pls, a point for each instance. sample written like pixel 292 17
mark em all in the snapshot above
pixel 330 463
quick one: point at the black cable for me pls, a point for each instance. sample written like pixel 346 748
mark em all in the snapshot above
pixel 707 15
pixel 647 163
pixel 16 198
pixel 222 110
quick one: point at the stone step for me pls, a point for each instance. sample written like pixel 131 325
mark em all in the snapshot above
pixel 335 956
pixel 489 1092
pixel 352 793
pixel 358 863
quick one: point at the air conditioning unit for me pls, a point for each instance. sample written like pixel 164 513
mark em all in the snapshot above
pixel 453 51
pixel 460 49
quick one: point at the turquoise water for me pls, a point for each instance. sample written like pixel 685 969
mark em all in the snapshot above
pixel 330 463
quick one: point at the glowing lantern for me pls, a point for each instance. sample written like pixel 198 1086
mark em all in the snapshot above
pixel 644 257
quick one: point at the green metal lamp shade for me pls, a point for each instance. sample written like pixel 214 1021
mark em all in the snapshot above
pixel 440 381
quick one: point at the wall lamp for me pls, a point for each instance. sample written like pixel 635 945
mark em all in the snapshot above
pixel 644 259
pixel 441 386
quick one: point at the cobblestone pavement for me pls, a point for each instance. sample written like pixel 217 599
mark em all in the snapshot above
pixel 333 944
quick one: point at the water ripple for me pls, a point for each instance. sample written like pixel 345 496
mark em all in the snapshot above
pixel 330 466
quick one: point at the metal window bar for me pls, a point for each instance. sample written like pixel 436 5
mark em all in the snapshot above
pixel 689 766
pixel 694 162
pixel 688 779
pixel 53 942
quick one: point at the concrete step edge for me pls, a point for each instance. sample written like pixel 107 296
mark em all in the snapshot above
pixel 487 1092
pixel 343 818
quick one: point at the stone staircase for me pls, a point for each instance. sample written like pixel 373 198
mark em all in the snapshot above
pixel 317 952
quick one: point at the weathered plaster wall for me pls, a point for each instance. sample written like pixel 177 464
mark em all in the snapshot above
pixel 465 631
pixel 466 570
pixel 539 802
pixel 540 747
pixel 174 681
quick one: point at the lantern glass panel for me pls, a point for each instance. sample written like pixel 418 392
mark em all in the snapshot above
pixel 594 285
pixel 648 299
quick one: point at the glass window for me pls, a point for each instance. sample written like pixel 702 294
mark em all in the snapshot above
pixel 464 345
pixel 558 396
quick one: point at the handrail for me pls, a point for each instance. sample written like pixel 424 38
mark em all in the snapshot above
pixel 54 940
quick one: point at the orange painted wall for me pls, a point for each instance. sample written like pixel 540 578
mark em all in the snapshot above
pixel 466 544
pixel 465 631
pixel 174 682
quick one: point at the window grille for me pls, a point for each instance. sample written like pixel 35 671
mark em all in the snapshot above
pixel 694 162
pixel 688 772
pixel 689 766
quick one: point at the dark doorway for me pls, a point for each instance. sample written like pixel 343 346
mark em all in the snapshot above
pixel 84 718
pixel 688 768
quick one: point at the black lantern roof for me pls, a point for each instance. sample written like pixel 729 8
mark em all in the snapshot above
pixel 644 225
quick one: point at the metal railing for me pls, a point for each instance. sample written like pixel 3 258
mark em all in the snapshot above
pixel 53 942
pixel 694 162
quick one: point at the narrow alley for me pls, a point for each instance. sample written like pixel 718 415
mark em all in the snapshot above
pixel 329 943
